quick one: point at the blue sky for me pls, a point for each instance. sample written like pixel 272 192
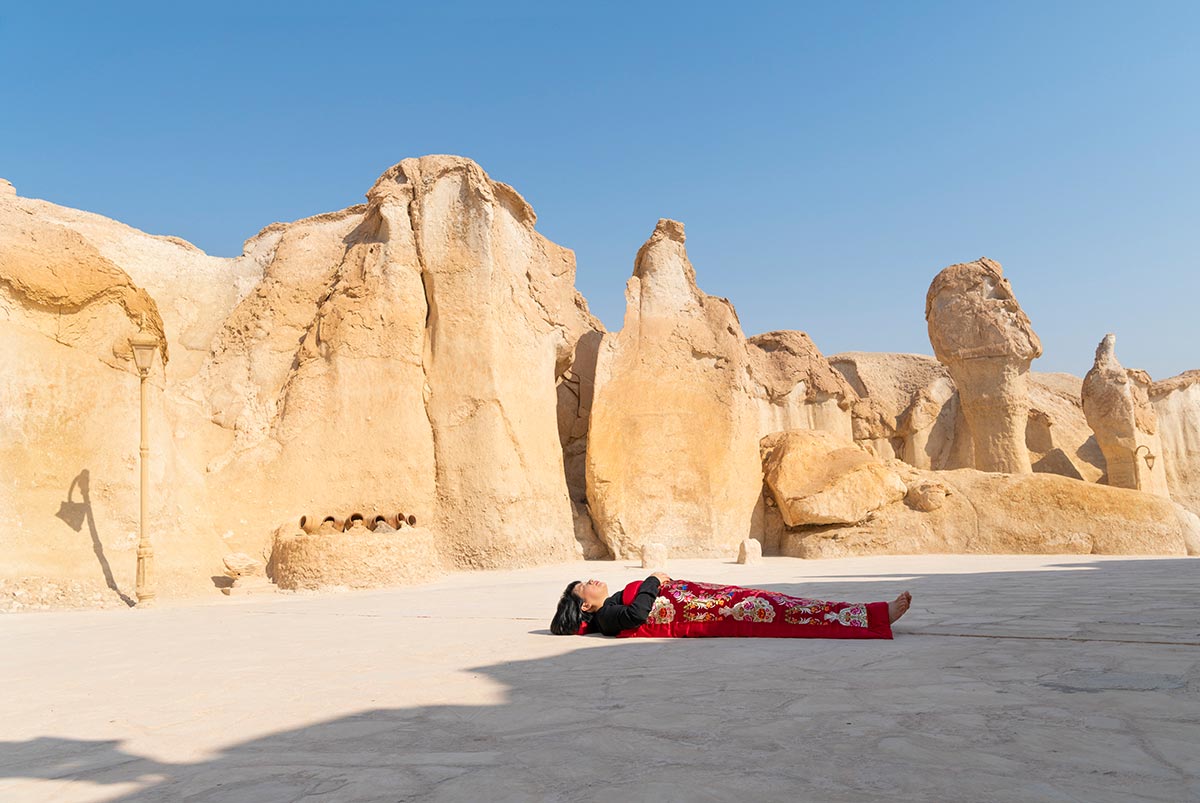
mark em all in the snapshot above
pixel 827 158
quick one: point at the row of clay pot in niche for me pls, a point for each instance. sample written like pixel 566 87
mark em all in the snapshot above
pixel 383 522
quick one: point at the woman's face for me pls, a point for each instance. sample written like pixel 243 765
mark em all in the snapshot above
pixel 593 593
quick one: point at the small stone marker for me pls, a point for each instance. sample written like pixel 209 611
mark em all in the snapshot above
pixel 750 551
pixel 654 556
pixel 242 568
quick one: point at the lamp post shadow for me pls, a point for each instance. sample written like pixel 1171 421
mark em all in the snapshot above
pixel 75 514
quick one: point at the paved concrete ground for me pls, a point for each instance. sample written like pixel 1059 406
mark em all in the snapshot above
pixel 1014 678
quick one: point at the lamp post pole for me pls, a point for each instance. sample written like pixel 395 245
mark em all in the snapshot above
pixel 144 345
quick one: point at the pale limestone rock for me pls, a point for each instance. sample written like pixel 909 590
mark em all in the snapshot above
pixel 980 333
pixel 69 431
pixel 909 409
pixel 6 188
pixel 1177 408
pixel 1190 524
pixel 1057 434
pixel 673 442
pixel 436 324
pixel 819 478
pixel 654 556
pixel 1117 404
pixel 926 495
pixel 192 291
pixel 750 551
pixel 794 386
pixel 908 406
pixel 314 372
pixel 239 564
pixel 1008 513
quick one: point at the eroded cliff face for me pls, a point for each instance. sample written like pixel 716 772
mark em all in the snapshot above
pixel 427 353
pixel 682 399
pixel 1177 408
pixel 435 325
pixel 407 354
pixel 673 444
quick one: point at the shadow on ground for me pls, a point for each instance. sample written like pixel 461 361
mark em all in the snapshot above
pixel 1080 683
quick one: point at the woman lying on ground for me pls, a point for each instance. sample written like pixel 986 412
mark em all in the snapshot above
pixel 659 607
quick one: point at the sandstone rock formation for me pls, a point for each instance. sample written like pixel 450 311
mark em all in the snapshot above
pixel 750 552
pixel 406 353
pixel 908 406
pixel 909 409
pixel 1009 513
pixel 427 351
pixel 794 386
pixel 1057 434
pixel 654 556
pixel 673 444
pixel 980 333
pixel 70 298
pixel 818 478
pixel 1177 408
pixel 1116 402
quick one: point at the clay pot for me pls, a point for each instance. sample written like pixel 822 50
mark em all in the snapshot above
pixel 412 521
pixel 356 519
pixel 331 524
pixel 380 524
pixel 309 524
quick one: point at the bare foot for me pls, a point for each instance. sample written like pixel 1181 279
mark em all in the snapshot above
pixel 898 606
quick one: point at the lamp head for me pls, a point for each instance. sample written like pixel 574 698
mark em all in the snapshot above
pixel 1150 458
pixel 144 346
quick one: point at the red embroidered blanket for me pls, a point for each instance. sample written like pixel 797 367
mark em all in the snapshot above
pixel 685 608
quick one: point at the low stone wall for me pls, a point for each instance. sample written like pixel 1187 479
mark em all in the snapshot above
pixel 357 558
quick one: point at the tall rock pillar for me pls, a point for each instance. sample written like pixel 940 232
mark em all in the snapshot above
pixel 673 443
pixel 1117 404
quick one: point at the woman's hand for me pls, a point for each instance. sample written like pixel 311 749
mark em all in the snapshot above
pixel 662 577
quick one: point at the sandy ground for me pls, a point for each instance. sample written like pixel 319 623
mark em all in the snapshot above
pixel 1055 678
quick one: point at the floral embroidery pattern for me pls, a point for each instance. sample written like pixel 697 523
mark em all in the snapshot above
pixel 701 601
pixel 683 603
pixel 753 609
pixel 851 616
pixel 808 612
pixel 663 612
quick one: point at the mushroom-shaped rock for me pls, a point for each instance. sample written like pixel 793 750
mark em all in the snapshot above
pixel 986 341
pixel 817 478
pixel 1117 404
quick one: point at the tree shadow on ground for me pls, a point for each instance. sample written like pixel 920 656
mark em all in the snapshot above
pixel 925 717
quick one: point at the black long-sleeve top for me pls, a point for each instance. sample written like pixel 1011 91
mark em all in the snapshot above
pixel 613 616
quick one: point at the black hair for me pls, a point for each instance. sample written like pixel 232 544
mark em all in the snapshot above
pixel 570 614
